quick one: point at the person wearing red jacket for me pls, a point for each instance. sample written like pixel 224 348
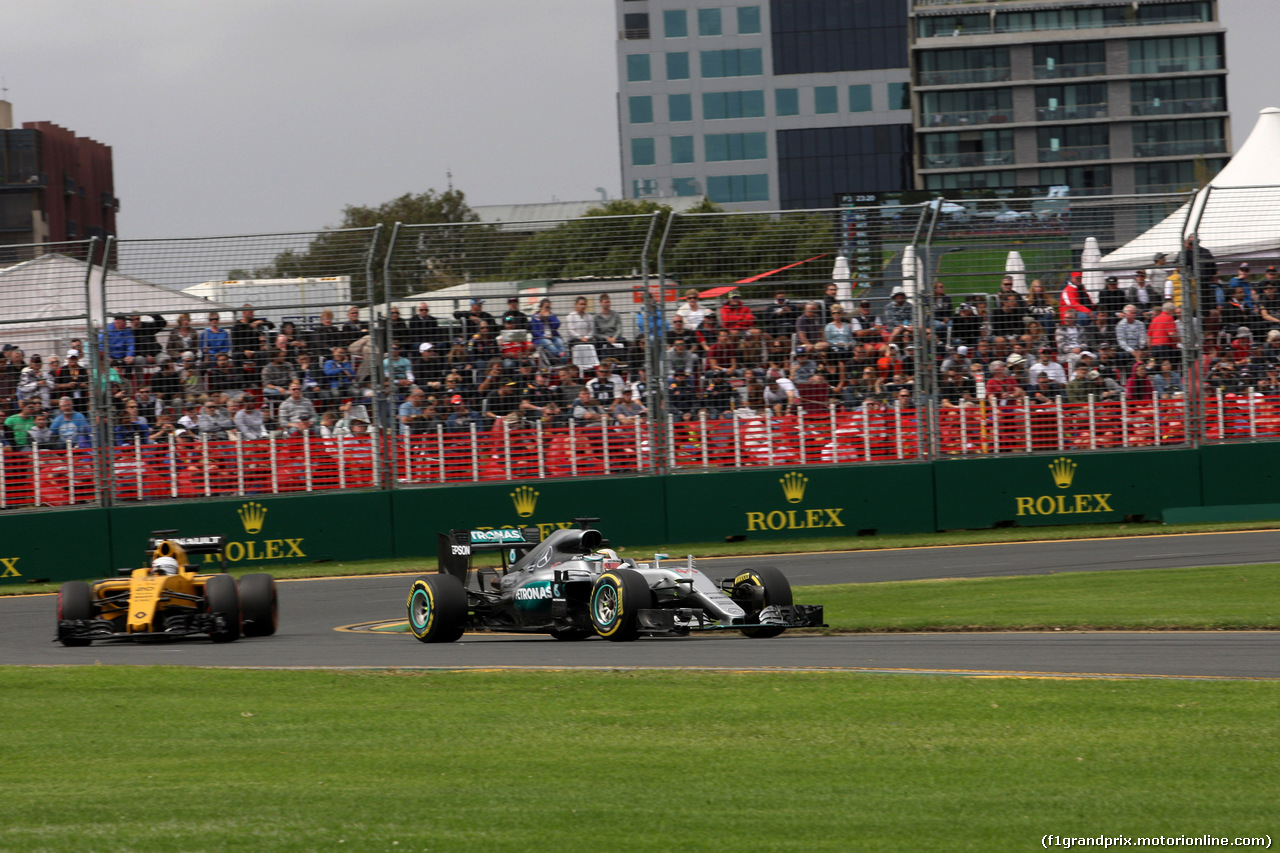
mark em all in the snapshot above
pixel 1075 298
pixel 735 317
pixel 1162 334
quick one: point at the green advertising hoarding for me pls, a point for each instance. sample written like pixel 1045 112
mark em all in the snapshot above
pixel 1079 488
pixel 54 545
pixel 1240 474
pixel 266 531
pixel 786 503
pixel 631 510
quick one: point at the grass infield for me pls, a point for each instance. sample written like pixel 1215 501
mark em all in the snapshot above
pixel 160 759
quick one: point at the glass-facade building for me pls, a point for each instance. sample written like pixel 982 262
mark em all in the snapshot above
pixel 1107 98
pixel 764 104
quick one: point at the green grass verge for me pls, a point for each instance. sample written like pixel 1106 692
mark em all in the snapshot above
pixel 427 562
pixel 1224 597
pixel 156 759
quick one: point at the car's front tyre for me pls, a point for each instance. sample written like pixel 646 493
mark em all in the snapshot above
pixel 437 609
pixel 75 601
pixel 769 587
pixel 616 601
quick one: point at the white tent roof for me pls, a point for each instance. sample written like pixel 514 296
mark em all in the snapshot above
pixel 43 302
pixel 1236 216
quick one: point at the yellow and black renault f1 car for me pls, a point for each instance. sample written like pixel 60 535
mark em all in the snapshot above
pixel 169 597
pixel 572 586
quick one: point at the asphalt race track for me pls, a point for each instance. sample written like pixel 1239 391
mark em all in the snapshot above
pixel 322 621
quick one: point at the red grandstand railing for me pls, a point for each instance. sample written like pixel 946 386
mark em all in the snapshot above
pixel 1244 416
pixel 274 465
pixel 35 477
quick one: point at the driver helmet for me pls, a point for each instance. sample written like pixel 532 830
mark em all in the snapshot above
pixel 164 566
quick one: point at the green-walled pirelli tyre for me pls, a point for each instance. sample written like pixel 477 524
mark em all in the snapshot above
pixel 437 609
pixel 75 601
pixel 258 605
pixel 221 595
pixel 770 587
pixel 616 601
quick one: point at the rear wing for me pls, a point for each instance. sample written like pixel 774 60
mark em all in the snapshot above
pixel 190 544
pixel 457 546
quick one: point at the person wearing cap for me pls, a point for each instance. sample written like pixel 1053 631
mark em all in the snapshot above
pixel 502 405
pixel 469 320
pixel 1111 302
pixel 1085 383
pixel 461 417
pixel 144 335
pixel 780 317
pixel 1075 301
pixel 1241 280
pixel 682 397
pixel 735 316
pixel 1143 295
pixel 1235 312
pixel 626 410
pixel 518 318
pixel 897 314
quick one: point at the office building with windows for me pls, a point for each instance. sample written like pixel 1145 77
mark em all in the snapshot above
pixel 1104 97
pixel 54 185
pixel 763 104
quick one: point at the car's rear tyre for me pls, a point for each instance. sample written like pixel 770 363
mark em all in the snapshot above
pixel 222 598
pixel 75 601
pixel 437 609
pixel 259 607
pixel 775 589
pixel 616 601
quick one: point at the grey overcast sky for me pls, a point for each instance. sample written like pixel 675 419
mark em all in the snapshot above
pixel 249 116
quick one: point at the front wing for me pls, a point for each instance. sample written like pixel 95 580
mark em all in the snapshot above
pixel 694 619
pixel 178 625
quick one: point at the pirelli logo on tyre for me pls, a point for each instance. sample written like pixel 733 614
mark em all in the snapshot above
pixel 1062 475
pixel 792 488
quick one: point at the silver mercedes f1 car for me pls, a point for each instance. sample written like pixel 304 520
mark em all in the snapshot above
pixel 572 586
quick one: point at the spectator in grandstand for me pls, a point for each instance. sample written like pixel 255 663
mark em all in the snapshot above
pixel 682 397
pixel 1044 390
pixel 839 335
pixel 428 367
pixel 354 328
pixel 1084 384
pixel 221 378
pixel 678 355
pixel 966 326
pixel 736 316
pixel 1147 299
pixel 1009 320
pixel 723 354
pixel 1108 364
pixel 35 382
pixel 71 426
pixel 469 321
pixel 579 328
pixel 1269 352
pixel 1048 365
pixel 867 327
pixel 296 413
pixel 1075 302
pixel 1236 311
pixel 249 422
pixel 545 328
pixel 72 380
pixel 1016 364
pixel 943 309
pixel 639 384
pixel 149 406
pixel 276 377
pixel 692 310
pixel 1131 335
pixel 780 317
pixel 41 435
pixel 1111 303
pixel 217 420
pixel 18 425
pixel 718 396
pixel 250 334
pixel 1168 382
pixel 398 372
pixel 182 337
pixel 538 400
pixel 326 335
pixel 626 411
pixel 312 381
pixel 809 329
pixel 1007 289
pixel 957 388
pixel 587 412
pixel 424 328
pixel 1068 336
pixel 1269 303
pixel 502 406
pixel 514 343
pixel 518 318
pixel 898 315
pixel 1139 388
pixel 890 362
pixel 1224 378
pixel 1241 280
pixel 462 418
pixel 166 430
pixel 1163 334
pixel 608 331
pixel 131 426
pixel 780 395
pixel 1002 387
pixel 145 335
pixel 606 386
pixel 1041 307
pixel 398 329
pixel 214 340
pixel 412 413
pixel 340 373
pixel 483 347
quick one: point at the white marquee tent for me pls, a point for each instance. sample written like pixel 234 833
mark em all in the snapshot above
pixel 1237 216
pixel 44 303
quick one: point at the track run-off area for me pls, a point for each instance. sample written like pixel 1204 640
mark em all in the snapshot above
pixel 330 622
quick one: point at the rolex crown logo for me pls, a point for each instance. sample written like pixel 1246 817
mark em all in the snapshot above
pixel 1064 471
pixel 793 486
pixel 252 515
pixel 525 499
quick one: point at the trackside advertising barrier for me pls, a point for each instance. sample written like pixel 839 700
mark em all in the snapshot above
pixel 1081 488
pixel 780 502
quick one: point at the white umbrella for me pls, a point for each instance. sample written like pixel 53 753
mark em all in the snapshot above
pixel 1091 265
pixel 1014 266
pixel 843 278
pixel 909 271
